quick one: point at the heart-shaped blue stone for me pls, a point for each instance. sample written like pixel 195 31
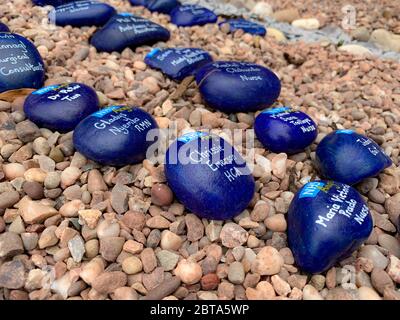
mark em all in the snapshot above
pixel 61 107
pixel 177 63
pixel 285 130
pixel 82 13
pixel 327 221
pixel 349 157
pixel 4 28
pixel 53 3
pixel 245 25
pixel 162 6
pixel 192 15
pixel 20 63
pixel 116 135
pixel 209 176
pixel 232 86
pixel 126 30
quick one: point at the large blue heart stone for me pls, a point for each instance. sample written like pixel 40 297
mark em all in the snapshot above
pixel 327 221
pixel 116 135
pixel 349 157
pixel 20 63
pixel 209 176
pixel 192 15
pixel 232 86
pixel 245 25
pixel 126 30
pixel 285 130
pixel 61 107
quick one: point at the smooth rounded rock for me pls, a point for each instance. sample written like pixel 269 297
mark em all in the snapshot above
pixel 82 13
pixel 349 157
pixel 177 63
pixel 232 86
pixel 245 25
pixel 162 6
pixel 285 130
pixel 327 221
pixel 138 2
pixel 192 15
pixel 125 30
pixel 208 176
pixel 115 135
pixel 4 28
pixel 53 3
pixel 61 107
pixel 20 63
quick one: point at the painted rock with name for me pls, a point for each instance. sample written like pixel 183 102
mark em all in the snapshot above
pixel 115 136
pixel 82 13
pixel 4 28
pixel 162 6
pixel 232 86
pixel 285 130
pixel 53 3
pixel 177 63
pixel 126 30
pixel 61 107
pixel 192 15
pixel 349 157
pixel 327 221
pixel 208 176
pixel 245 25
pixel 138 2
pixel 20 63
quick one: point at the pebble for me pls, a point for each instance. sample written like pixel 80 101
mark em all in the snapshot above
pixel 158 222
pixel 286 15
pixel 77 248
pixel 386 40
pixel 132 265
pixel 170 241
pixel 89 217
pixel 278 165
pixel 232 235
pixel 167 259
pixel 355 49
pixel 310 293
pixel 13 170
pixel 276 223
pixel 111 247
pixel 125 293
pixel 10 245
pixel 281 287
pixel 372 253
pixel 12 275
pixel 149 260
pixel 96 181
pixel 134 220
pixel 119 198
pixel 236 273
pixel 161 195
pixel 262 10
pixel 307 24
pixel 164 289
pixel 195 228
pixel 393 269
pixel 276 34
pixel 27 131
pixel 107 282
pixel 35 212
pixel 92 248
pixel 8 199
pixel 263 291
pixel 268 261
pixel 92 270
pixel 189 272
pixel 48 237
pixel 29 240
pixel 361 34
pixel 33 189
pixel 389 243
pixel 367 293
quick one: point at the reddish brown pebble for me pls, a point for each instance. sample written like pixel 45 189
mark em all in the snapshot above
pixel 161 195
pixel 33 189
pixel 209 281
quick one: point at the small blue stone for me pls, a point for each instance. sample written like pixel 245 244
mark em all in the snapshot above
pixel 82 13
pixel 162 6
pixel 61 107
pixel 115 136
pixel 192 15
pixel 20 63
pixel 285 130
pixel 327 222
pixel 138 2
pixel 177 63
pixel 126 30
pixel 246 26
pixel 209 176
pixel 349 157
pixel 232 86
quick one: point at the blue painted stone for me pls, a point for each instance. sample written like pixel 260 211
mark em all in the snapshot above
pixel 177 63
pixel 192 15
pixel 162 6
pixel 349 157
pixel 327 221
pixel 82 13
pixel 4 28
pixel 232 86
pixel 246 26
pixel 20 63
pixel 61 107
pixel 126 30
pixel 53 3
pixel 115 135
pixel 138 2
pixel 209 176
pixel 285 130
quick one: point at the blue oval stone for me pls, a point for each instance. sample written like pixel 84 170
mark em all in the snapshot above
pixel 209 176
pixel 4 28
pixel 285 130
pixel 162 6
pixel 53 3
pixel 82 13
pixel 61 107
pixel 327 221
pixel 138 2
pixel 126 30
pixel 192 15
pixel 349 157
pixel 232 86
pixel 115 135
pixel 177 63
pixel 246 26
pixel 20 63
